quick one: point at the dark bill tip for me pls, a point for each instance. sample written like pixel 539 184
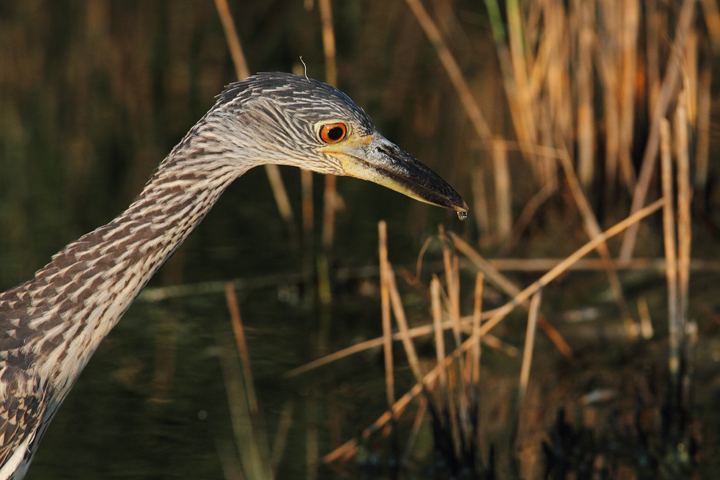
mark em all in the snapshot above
pixel 416 180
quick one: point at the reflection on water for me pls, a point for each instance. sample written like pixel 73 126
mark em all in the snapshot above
pixel 152 402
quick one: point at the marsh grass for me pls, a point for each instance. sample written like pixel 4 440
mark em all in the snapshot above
pixel 451 388
pixel 576 88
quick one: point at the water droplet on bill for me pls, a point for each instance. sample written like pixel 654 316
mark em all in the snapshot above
pixel 462 215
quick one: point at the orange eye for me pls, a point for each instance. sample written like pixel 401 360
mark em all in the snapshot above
pixel 333 132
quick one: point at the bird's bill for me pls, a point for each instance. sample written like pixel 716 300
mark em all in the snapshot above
pixel 378 160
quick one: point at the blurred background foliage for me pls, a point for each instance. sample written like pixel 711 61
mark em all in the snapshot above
pixel 93 95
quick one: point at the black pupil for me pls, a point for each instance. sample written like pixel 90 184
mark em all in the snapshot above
pixel 335 133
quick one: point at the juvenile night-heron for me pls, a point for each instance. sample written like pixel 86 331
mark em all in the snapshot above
pixel 51 325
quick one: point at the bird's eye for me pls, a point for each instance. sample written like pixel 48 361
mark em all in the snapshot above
pixel 333 132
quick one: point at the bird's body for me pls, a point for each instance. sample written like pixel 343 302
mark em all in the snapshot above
pixel 51 325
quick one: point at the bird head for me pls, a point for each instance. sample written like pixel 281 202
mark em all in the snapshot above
pixel 293 120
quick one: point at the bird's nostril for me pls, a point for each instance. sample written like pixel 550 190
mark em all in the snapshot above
pixel 391 156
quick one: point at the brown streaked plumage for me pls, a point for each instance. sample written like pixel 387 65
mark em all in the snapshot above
pixel 51 325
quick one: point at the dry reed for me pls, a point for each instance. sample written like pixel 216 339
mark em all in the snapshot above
pixel 308 224
pixel 525 367
pixel 560 268
pixel 511 290
pixel 704 103
pixel 592 264
pixel 585 89
pixel 480 204
pixel 328 37
pixel 477 314
pixel 489 340
pixel 691 340
pixel 452 279
pixel 330 192
pixel 439 372
pixel 401 320
pixel 531 207
pixel 646 328
pixel 670 249
pixel 684 198
pixel 659 109
pixel 414 431
pixel 592 228
pixel 242 71
pixel 528 350
pixel 458 404
pixel 242 349
pixel 233 40
pixel 503 198
pixel 386 320
pixel 439 332
pixel 629 37
pixel 452 68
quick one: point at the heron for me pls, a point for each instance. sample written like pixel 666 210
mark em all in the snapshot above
pixel 51 325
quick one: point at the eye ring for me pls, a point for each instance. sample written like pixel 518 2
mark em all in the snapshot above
pixel 333 132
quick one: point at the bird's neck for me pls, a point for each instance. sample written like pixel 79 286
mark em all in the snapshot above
pixel 80 296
